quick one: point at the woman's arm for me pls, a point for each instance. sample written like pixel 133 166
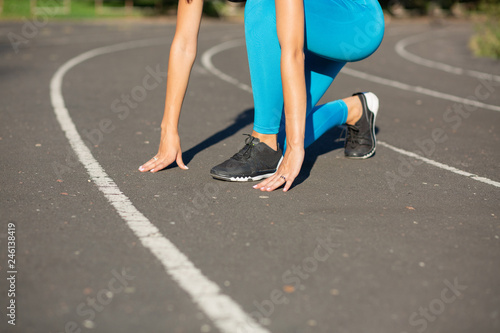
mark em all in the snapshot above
pixel 181 59
pixel 290 28
pixel 182 56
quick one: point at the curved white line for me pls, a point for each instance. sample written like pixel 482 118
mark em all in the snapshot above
pixel 401 50
pixel 441 165
pixel 207 63
pixel 417 89
pixel 226 315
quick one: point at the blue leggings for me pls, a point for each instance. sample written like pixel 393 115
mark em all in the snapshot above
pixel 336 32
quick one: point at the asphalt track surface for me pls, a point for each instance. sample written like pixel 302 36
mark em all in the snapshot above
pixel 407 241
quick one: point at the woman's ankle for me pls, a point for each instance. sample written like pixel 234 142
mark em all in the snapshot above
pixel 354 109
pixel 269 139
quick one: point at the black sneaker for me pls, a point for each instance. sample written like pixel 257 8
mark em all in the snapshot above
pixel 361 142
pixel 255 161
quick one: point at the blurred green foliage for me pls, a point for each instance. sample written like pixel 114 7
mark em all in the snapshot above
pixel 424 4
pixel 79 8
pixel 486 41
pixel 113 8
pixel 86 8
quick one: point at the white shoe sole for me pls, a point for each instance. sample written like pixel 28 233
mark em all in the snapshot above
pixel 372 103
pixel 249 179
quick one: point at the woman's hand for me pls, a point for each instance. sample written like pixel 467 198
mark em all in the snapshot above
pixel 168 153
pixel 181 59
pixel 290 29
pixel 287 172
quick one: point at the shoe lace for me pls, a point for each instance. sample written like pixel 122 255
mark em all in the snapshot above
pixel 353 136
pixel 245 151
pixel 343 135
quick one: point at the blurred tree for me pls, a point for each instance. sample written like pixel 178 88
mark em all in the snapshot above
pixel 422 4
pixel 213 6
pixel 486 41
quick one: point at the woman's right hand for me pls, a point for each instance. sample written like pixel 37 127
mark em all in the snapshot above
pixel 168 153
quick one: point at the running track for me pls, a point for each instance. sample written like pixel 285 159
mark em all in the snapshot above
pixel 356 246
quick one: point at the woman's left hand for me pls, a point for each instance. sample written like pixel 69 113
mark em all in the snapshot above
pixel 287 172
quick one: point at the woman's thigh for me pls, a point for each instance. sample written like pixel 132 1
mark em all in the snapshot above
pixel 343 30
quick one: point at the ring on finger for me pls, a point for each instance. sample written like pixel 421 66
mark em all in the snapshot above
pixel 155 158
pixel 284 178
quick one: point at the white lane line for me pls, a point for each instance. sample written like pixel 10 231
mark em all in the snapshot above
pixel 440 165
pixel 226 314
pixel 417 89
pixel 207 63
pixel 401 50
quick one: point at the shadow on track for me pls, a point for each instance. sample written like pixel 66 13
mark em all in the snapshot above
pixel 328 142
pixel 244 119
